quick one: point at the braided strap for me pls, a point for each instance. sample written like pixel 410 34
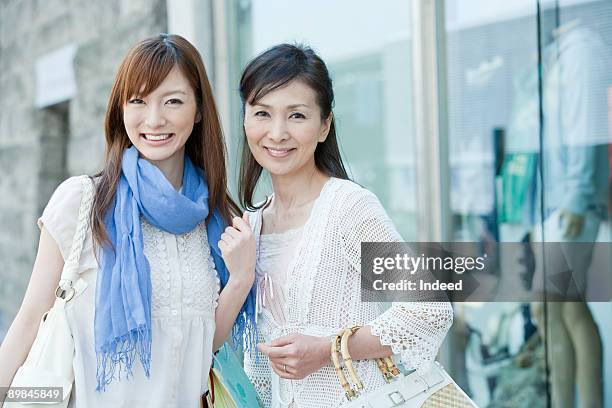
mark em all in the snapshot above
pixel 70 267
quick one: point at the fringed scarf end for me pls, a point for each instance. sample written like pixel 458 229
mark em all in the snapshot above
pixel 116 359
pixel 244 333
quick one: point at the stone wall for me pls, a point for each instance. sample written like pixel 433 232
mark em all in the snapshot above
pixel 41 147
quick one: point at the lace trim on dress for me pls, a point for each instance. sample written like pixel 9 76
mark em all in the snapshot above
pixel 199 282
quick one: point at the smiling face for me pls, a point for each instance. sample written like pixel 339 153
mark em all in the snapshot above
pixel 160 123
pixel 283 129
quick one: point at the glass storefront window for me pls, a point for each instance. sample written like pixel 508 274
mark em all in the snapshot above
pixel 491 50
pixel 529 112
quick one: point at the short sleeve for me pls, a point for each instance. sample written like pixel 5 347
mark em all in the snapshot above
pixel 60 218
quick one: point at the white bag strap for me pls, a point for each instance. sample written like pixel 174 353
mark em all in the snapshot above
pixel 70 274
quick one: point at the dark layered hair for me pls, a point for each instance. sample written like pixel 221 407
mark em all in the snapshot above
pixel 273 69
pixel 144 68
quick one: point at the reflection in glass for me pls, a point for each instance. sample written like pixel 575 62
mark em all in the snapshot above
pixel 574 194
pixel 493 105
pixel 529 154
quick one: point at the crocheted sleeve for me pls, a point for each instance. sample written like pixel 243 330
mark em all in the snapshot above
pixel 415 330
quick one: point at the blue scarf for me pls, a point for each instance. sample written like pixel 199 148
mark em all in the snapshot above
pixel 122 325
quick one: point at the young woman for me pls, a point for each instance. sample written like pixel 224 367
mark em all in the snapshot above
pixel 308 237
pixel 147 322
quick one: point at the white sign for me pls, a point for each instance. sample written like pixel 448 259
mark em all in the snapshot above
pixel 55 79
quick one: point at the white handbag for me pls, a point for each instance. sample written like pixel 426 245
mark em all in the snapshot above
pixel 434 389
pixel 49 362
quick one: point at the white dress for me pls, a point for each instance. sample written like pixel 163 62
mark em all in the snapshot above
pixel 184 297
pixel 322 290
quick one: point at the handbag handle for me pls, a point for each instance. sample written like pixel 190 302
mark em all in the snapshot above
pixel 335 357
pixel 347 357
pixel 65 289
pixel 340 344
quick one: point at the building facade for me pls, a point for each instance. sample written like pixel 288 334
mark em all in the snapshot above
pixel 57 62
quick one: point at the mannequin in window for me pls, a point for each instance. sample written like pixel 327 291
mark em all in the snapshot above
pixel 574 202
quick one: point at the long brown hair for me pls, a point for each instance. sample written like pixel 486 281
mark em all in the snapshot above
pixel 144 68
pixel 273 69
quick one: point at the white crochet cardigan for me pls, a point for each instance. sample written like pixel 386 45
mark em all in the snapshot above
pixel 323 296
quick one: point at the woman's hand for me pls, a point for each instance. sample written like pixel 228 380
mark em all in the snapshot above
pixel 295 356
pixel 237 247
